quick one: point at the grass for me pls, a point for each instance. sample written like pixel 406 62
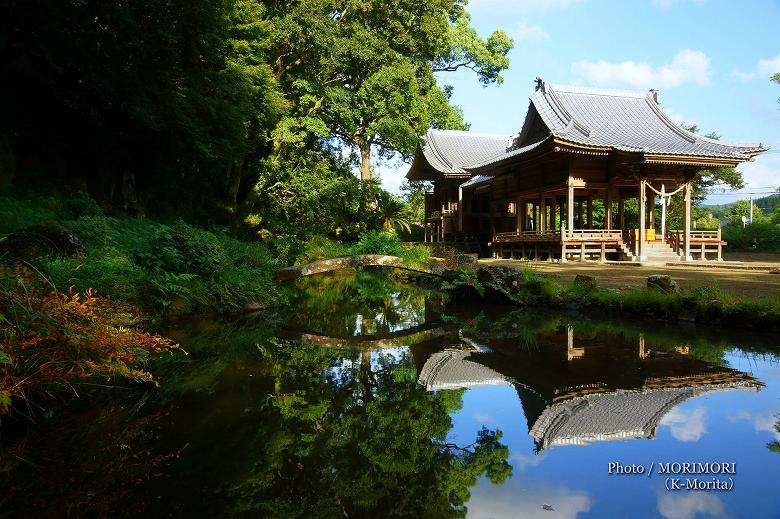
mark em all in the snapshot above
pixel 164 268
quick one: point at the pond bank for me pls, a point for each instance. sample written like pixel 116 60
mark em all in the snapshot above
pixel 704 304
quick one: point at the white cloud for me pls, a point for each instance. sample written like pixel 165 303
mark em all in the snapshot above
pixel 524 6
pixel 686 426
pixel 687 66
pixel 521 461
pixel 524 31
pixel 762 422
pixel 763 70
pixel 524 497
pixel 690 505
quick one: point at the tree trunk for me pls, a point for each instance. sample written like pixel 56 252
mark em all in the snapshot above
pixel 364 376
pixel 235 172
pixel 365 160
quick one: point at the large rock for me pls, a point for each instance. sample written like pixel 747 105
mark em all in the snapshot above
pixel 663 283
pixel 46 238
pixel 585 281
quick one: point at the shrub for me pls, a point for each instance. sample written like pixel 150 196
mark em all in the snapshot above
pixel 53 341
pixel 761 235
pixel 78 205
pixel 379 242
pixel 16 214
pixel 320 247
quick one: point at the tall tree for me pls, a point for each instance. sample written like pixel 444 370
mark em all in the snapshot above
pixel 363 70
pixel 705 181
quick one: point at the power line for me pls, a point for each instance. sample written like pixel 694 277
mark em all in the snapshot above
pixel 744 194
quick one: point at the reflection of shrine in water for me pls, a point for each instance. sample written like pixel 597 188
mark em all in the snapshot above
pixel 576 391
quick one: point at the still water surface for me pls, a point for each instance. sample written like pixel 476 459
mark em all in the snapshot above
pixel 370 397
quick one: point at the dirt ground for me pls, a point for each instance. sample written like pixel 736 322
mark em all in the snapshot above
pixel 742 282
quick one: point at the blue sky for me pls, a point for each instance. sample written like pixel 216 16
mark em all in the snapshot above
pixel 710 59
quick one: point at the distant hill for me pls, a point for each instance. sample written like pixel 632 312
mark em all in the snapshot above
pixel 767 205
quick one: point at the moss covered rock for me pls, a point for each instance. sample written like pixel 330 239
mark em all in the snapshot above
pixel 43 239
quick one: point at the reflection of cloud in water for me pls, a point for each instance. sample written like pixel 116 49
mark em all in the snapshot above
pixel 762 422
pixel 522 461
pixel 523 497
pixel 484 419
pixel 686 426
pixel 690 505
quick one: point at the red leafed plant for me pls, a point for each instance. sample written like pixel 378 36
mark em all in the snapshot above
pixel 54 341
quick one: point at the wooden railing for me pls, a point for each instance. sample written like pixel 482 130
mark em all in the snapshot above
pixel 676 238
pixel 590 235
pixel 447 213
pixel 526 236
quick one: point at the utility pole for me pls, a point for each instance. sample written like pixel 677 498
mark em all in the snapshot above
pixel 751 210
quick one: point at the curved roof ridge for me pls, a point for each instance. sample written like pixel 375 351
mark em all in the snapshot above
pixel 434 148
pixel 752 145
pixel 676 128
pixel 596 91
pixel 468 133
pixel 563 113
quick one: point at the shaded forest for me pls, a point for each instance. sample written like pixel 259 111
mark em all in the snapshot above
pixel 244 113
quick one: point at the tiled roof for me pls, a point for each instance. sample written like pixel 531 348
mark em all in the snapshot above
pixel 591 117
pixel 454 369
pixel 630 121
pixel 617 415
pixel 448 151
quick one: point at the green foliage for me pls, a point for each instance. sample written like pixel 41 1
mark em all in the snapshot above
pixel 393 212
pixel 466 278
pixel 174 268
pixel 17 213
pixel 762 235
pixel 319 247
pixel 741 208
pixel 379 242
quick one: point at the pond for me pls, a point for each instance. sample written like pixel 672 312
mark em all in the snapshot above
pixel 370 396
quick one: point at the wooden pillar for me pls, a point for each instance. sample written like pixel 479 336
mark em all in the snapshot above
pixel 542 213
pixel 518 215
pixel 622 213
pixel 492 219
pixel 608 210
pixel 663 212
pixel 687 222
pixel 563 215
pixel 651 210
pixel 720 247
pixel 590 212
pixel 642 219
pixel 460 209
pixel 570 207
pixel 552 226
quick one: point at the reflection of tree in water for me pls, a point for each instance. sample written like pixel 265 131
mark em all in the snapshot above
pixel 332 303
pixel 361 439
pixel 775 445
